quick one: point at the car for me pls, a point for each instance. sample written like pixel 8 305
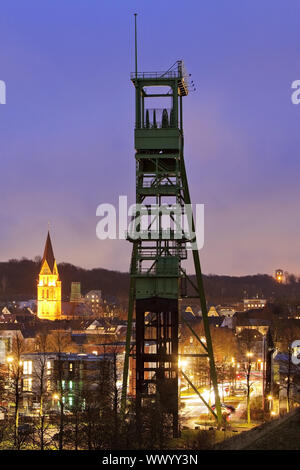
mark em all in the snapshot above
pixel 231 408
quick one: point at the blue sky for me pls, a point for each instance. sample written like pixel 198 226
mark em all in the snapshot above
pixel 66 132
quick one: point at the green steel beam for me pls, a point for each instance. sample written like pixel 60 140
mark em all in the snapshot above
pixel 200 289
pixel 194 333
pixel 154 161
pixel 199 395
pixel 128 332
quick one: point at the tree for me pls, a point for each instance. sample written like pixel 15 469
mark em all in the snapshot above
pixel 247 341
pixel 224 344
pixel 15 371
pixel 98 404
pixel 286 333
pixel 40 380
pixel 61 343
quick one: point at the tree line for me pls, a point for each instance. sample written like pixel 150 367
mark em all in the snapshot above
pixel 18 280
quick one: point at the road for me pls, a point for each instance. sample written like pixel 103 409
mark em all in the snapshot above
pixel 192 407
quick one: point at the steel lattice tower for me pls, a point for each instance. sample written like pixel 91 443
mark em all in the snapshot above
pixel 157 279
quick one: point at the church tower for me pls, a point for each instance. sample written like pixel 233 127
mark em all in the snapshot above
pixel 49 286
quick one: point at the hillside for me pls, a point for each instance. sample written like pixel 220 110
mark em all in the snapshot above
pixel 18 280
pixel 279 434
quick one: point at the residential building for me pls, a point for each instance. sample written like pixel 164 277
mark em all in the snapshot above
pixel 254 303
pixel 94 300
pixel 67 376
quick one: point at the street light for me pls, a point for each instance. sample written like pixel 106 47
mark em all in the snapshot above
pixel 182 364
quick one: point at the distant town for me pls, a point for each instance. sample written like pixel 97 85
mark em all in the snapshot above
pixel 62 356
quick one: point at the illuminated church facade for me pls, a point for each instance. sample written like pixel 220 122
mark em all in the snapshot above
pixel 49 286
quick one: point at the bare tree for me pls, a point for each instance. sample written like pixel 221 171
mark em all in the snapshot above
pixel 247 341
pixel 287 334
pixel 40 381
pixel 60 343
pixel 15 372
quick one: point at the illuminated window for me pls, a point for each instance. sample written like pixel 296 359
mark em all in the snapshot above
pixel 70 366
pixel 27 385
pixel 70 384
pixel 63 384
pixel 27 367
pixel 70 401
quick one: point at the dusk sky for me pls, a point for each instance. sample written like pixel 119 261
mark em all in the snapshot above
pixel 66 132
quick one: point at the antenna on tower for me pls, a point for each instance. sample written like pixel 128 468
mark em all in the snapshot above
pixel 135 34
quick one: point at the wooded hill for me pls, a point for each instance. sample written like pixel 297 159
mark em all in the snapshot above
pixel 18 280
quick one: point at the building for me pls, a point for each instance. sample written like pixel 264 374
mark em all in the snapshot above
pixel 255 303
pixel 260 324
pixel 75 310
pixel 75 292
pixel 94 300
pixel 213 312
pixel 226 311
pixel 279 276
pixel 49 286
pixel 286 374
pixel 7 334
pixel 253 319
pixel 65 375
